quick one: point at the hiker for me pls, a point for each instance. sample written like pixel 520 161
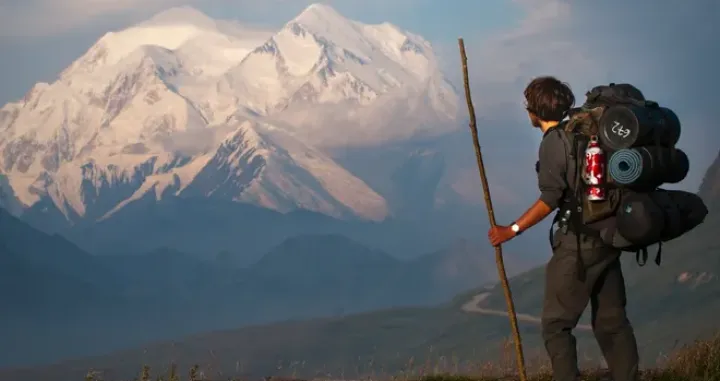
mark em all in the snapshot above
pixel 583 268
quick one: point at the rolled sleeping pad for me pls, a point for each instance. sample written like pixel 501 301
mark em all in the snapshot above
pixel 648 167
pixel 677 164
pixel 626 126
pixel 662 215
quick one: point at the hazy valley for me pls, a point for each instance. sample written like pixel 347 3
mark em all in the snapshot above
pixel 670 305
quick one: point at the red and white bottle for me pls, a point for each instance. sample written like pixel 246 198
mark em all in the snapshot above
pixel 595 170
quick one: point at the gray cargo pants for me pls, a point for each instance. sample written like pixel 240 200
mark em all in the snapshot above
pixel 567 295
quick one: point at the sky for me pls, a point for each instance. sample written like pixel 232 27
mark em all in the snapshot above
pixel 669 49
pixel 38 38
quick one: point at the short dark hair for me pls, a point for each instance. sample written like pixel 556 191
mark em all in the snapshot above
pixel 548 98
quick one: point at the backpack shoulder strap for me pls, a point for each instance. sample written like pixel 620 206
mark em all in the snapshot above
pixel 568 140
pixel 565 137
pixel 569 213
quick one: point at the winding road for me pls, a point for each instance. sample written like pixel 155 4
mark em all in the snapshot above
pixel 473 306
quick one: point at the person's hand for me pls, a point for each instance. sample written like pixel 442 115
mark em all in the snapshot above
pixel 500 234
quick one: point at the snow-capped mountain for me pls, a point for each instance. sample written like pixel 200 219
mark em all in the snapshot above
pixel 367 72
pixel 185 105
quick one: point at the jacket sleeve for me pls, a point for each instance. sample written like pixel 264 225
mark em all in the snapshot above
pixel 552 167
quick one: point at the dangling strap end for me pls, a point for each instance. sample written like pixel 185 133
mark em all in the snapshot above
pixel 641 256
pixel 658 256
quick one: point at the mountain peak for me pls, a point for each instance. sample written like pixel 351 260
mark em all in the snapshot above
pixel 319 12
pixel 322 19
pixel 182 15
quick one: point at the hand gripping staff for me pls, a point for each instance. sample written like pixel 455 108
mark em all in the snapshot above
pixel 491 216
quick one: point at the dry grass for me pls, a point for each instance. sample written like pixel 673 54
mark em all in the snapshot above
pixel 699 361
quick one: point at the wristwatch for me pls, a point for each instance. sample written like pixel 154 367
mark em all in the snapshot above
pixel 515 228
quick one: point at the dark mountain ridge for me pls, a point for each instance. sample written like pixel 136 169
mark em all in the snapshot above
pixel 85 304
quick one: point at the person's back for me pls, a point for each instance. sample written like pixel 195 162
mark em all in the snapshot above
pixel 583 269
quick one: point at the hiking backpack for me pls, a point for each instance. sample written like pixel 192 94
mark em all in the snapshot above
pixel 638 138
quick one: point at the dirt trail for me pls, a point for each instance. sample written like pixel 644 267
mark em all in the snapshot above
pixel 473 306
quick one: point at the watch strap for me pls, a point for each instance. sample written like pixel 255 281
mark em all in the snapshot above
pixel 515 228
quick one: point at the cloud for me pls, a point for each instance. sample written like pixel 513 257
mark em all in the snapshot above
pixel 43 17
pixel 668 49
pixel 38 18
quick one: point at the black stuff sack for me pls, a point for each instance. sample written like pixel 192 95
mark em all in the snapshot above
pixel 659 216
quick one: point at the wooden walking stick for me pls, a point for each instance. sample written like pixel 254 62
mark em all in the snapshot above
pixel 491 215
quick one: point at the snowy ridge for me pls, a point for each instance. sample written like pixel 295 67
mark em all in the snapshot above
pixel 184 105
pixel 251 166
pixel 322 58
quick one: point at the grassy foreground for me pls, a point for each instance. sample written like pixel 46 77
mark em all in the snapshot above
pixel 699 361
